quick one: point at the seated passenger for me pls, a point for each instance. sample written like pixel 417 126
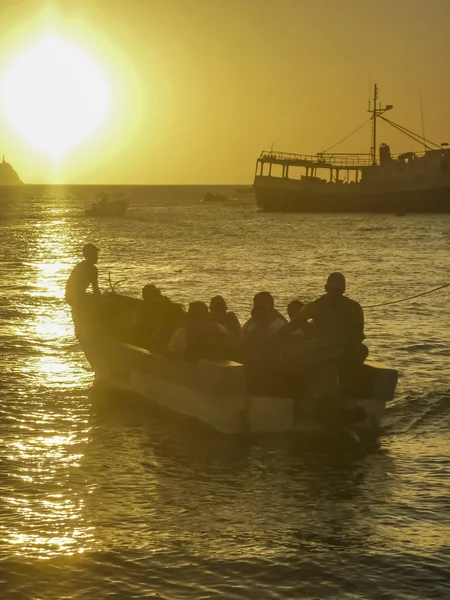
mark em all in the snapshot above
pixel 220 314
pixel 337 319
pixel 159 320
pixel 277 321
pixel 293 346
pixel 152 296
pixel 170 316
pixel 293 308
pixel 258 350
pixel 256 347
pixel 200 337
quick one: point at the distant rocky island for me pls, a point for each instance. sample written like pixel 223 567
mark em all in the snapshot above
pixel 7 174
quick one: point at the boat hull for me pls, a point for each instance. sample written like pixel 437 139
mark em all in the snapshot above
pixel 215 392
pixel 282 195
pixel 116 208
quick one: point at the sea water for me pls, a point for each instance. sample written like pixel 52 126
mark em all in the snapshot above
pixel 103 495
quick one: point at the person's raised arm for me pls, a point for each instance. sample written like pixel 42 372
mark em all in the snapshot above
pixel 299 322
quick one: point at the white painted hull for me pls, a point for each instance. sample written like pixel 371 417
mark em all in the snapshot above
pixel 214 392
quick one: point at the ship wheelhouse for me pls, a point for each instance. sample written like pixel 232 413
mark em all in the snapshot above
pixel 353 168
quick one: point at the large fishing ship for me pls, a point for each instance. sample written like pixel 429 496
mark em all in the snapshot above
pixel 411 182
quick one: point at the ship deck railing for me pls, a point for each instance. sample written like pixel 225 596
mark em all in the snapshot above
pixel 324 161
pixel 330 160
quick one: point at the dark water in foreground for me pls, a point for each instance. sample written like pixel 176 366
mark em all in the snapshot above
pixel 104 496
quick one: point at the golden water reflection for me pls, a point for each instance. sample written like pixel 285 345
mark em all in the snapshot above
pixel 44 514
pixel 45 423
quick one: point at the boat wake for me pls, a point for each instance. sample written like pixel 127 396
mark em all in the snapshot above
pixel 419 413
pixel 428 347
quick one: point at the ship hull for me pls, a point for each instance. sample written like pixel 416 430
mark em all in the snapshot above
pixel 280 195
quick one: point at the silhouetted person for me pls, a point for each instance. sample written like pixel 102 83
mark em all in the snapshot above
pixel 277 321
pixel 220 314
pixel 293 345
pixel 293 308
pixel 153 299
pixel 200 337
pixel 256 346
pixel 159 320
pixel 84 274
pixel 151 295
pixel 258 349
pixel 336 318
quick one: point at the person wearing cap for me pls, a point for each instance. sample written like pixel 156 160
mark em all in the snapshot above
pixel 220 314
pixel 84 274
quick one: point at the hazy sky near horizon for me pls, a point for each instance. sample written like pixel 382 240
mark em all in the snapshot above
pixel 200 87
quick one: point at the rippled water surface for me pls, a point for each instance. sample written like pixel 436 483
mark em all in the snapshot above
pixel 105 496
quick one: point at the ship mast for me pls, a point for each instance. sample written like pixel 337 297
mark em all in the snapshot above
pixel 374 125
pixel 376 112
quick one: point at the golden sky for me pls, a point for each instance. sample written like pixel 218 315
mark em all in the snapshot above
pixel 197 88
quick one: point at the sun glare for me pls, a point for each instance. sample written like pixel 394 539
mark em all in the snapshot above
pixel 54 95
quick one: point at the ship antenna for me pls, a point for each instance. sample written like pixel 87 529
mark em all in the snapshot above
pixel 376 112
pixel 374 125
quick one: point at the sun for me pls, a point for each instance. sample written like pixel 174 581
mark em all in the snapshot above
pixel 54 95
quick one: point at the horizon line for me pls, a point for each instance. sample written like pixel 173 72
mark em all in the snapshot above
pixel 133 184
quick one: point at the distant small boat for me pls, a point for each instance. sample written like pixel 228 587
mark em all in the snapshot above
pixel 107 208
pixel 212 197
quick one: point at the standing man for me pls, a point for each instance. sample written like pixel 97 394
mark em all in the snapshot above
pixel 84 274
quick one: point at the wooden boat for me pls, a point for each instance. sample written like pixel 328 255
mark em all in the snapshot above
pixel 215 392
